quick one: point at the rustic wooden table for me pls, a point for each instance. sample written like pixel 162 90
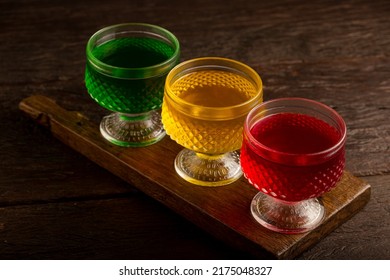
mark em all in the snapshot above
pixel 56 204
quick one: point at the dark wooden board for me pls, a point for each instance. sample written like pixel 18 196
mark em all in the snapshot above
pixel 223 211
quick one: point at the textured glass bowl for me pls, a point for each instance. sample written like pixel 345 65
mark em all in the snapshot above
pixel 201 112
pixel 125 72
pixel 290 182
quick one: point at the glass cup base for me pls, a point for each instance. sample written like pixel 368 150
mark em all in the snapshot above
pixel 136 130
pixel 208 170
pixel 287 217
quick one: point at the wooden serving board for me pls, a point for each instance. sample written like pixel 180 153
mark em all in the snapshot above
pixel 222 211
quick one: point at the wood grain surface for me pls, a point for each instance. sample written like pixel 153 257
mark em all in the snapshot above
pixel 331 51
pixel 222 211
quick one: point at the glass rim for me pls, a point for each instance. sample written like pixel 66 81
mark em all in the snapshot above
pixel 133 72
pixel 214 63
pixel 285 157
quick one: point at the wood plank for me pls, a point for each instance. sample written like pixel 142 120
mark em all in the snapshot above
pixel 223 211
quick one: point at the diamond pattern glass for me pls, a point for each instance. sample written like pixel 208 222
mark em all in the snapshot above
pixel 293 152
pixel 125 73
pixel 205 104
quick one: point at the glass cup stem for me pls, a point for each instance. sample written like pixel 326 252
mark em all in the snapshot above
pixel 132 130
pixel 287 217
pixel 208 170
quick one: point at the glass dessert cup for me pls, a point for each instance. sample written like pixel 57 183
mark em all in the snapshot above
pixel 125 73
pixel 293 152
pixel 205 104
